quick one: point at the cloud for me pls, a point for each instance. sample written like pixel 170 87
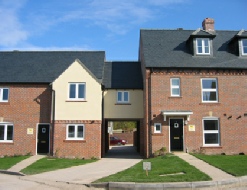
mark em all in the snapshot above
pixel 30 47
pixel 118 17
pixel 11 30
pixel 165 2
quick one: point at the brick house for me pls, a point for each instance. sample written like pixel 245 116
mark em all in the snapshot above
pixel 195 89
pixel 51 103
pixel 187 92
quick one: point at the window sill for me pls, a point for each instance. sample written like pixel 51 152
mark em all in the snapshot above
pixel 175 97
pixel 76 101
pixel 123 104
pixel 157 134
pixel 4 103
pixel 209 103
pixel 202 54
pixel 74 141
pixel 6 142
pixel 215 146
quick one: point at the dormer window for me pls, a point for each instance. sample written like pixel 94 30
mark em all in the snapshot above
pixel 244 46
pixel 202 46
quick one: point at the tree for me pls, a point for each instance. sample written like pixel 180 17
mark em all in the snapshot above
pixel 124 125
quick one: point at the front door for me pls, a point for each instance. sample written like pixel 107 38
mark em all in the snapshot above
pixel 43 140
pixel 176 134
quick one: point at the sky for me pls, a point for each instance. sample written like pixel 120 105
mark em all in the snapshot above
pixel 112 26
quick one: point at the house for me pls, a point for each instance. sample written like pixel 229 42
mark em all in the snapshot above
pixel 195 87
pixel 51 103
pixel 187 92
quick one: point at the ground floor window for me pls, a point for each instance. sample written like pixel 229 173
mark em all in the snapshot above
pixel 75 132
pixel 211 132
pixel 157 128
pixel 6 132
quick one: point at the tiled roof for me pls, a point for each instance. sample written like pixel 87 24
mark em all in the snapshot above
pixel 45 67
pixel 122 75
pixel 170 48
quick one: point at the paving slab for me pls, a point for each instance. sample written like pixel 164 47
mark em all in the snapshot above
pixel 24 163
pixel 215 173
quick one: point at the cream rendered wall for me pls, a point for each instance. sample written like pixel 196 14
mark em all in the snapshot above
pixel 69 110
pixel 113 110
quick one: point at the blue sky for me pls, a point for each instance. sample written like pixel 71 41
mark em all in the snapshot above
pixel 109 25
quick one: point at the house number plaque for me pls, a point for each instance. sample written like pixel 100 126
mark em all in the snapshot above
pixel 30 131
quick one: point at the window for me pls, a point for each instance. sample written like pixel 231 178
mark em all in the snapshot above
pixel 244 46
pixel 4 94
pixel 6 132
pixel 209 90
pixel 202 46
pixel 75 132
pixel 211 132
pixel 77 91
pixel 157 128
pixel 175 87
pixel 122 96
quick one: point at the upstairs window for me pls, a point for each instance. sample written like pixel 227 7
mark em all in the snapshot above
pixel 77 91
pixel 6 132
pixel 4 94
pixel 123 97
pixel 175 87
pixel 244 46
pixel 209 90
pixel 202 46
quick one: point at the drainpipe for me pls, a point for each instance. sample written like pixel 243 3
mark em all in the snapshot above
pixel 53 120
pixel 103 141
pixel 150 113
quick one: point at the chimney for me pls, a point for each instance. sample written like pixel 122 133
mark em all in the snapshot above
pixel 208 24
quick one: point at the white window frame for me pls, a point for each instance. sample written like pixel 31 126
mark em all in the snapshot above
pixel 76 91
pixel 203 46
pixel 1 95
pixel 211 131
pixel 175 87
pixel 242 42
pixel 155 127
pixel 209 90
pixel 6 125
pixel 76 132
pixel 122 97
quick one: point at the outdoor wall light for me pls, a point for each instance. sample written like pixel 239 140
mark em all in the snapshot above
pixel 229 117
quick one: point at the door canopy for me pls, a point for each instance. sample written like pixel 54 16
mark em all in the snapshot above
pixel 166 113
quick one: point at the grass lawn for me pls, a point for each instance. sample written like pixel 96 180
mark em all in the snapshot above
pixel 232 164
pixel 179 170
pixel 50 164
pixel 8 162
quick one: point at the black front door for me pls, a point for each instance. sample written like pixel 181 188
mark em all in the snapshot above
pixel 43 140
pixel 176 134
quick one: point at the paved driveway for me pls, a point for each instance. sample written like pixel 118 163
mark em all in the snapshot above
pixel 118 158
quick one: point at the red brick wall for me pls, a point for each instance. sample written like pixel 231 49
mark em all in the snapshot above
pixel 28 105
pixel 87 148
pixel 232 98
